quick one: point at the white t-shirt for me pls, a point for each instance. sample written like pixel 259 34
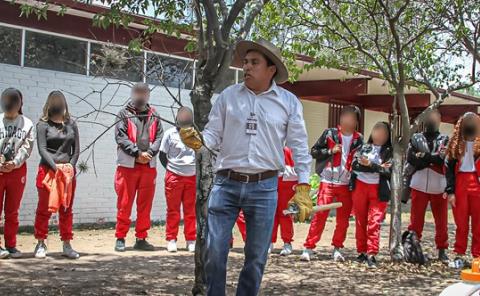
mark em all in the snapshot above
pixel 468 162
pixel 339 175
pixel 374 157
pixel 181 159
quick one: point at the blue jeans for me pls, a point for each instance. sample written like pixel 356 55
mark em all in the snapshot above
pixel 258 200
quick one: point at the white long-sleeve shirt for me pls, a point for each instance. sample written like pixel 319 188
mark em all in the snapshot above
pixel 280 123
pixel 18 133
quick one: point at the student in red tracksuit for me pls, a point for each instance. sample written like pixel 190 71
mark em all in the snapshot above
pixel 426 155
pixel 463 186
pixel 17 135
pixel 370 183
pixel 180 182
pixel 138 134
pixel 286 183
pixel 334 153
pixel 59 148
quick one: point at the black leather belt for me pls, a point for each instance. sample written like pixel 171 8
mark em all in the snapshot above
pixel 247 178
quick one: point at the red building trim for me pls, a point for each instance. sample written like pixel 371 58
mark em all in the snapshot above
pixel 81 27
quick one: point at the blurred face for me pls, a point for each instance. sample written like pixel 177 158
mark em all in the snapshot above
pixel 11 104
pixel 184 118
pixel 140 98
pixel 57 106
pixel 432 123
pixel 348 121
pixel 380 135
pixel 256 71
pixel 471 127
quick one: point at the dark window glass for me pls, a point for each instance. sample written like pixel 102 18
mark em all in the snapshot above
pixel 10 45
pixel 229 80
pixel 116 62
pixel 172 71
pixel 55 53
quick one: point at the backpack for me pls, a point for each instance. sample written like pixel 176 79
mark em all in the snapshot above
pixel 412 249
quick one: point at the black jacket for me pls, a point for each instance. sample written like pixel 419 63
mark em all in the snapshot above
pixel 386 154
pixel 428 144
pixel 321 149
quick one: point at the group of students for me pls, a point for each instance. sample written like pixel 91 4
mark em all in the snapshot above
pixel 139 137
pixel 438 171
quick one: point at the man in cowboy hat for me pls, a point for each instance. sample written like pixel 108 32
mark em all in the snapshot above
pixel 249 125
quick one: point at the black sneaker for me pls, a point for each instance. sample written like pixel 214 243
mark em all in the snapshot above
pixel 14 253
pixel 120 245
pixel 362 258
pixel 442 256
pixel 143 245
pixel 371 261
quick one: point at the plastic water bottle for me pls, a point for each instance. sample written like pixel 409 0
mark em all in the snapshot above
pixel 470 285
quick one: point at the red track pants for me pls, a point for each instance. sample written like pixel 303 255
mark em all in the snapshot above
pixel 12 186
pixel 180 190
pixel 467 206
pixel 327 194
pixel 242 227
pixel 43 215
pixel 439 206
pixel 369 213
pixel 134 182
pixel 285 193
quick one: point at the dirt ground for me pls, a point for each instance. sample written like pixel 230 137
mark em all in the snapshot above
pixel 101 271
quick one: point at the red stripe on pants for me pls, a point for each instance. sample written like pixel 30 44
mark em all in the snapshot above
pixel 285 193
pixel 467 205
pixel 134 182
pixel 42 215
pixel 327 194
pixel 180 191
pixel 12 186
pixel 369 213
pixel 439 206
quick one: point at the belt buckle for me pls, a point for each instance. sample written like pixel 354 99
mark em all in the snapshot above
pixel 248 178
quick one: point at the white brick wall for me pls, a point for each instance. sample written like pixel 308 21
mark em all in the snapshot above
pixel 95 197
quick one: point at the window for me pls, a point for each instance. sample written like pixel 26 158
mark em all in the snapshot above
pixel 171 71
pixel 55 53
pixel 116 62
pixel 229 80
pixel 10 45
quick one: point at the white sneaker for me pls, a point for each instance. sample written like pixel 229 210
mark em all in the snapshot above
pixel 191 246
pixel 337 255
pixel 40 250
pixel 287 249
pixel 270 248
pixel 4 254
pixel 172 246
pixel 307 254
pixel 69 252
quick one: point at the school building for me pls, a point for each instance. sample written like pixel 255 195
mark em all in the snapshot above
pixel 62 52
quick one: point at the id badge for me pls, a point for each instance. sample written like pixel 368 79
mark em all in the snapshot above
pixel 252 125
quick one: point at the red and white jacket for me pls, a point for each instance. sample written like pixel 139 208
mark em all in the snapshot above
pixel 137 132
pixel 289 173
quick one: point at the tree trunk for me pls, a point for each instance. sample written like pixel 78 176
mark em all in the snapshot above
pixel 396 248
pixel 201 100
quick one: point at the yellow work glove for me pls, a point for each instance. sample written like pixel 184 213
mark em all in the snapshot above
pixel 303 201
pixel 191 138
